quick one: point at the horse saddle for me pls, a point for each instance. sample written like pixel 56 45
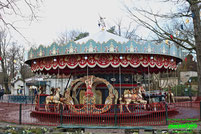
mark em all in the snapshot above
pixel 51 98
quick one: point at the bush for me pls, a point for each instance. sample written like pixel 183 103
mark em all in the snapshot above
pixel 180 89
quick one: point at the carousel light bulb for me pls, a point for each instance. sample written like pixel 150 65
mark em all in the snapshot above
pixel 85 57
pixel 189 80
pixel 172 60
pixel 151 57
pixel 121 57
pixel 55 59
pixel 34 62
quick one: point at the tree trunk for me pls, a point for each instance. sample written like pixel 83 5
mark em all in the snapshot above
pixel 6 82
pixel 197 35
pixel 5 76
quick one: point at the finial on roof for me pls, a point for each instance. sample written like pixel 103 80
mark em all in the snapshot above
pixel 101 23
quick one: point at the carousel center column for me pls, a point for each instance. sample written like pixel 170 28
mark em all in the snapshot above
pixel 48 87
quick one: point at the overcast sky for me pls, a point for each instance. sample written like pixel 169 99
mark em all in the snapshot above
pixel 57 16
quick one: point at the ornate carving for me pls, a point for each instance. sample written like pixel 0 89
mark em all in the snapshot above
pixel 89 100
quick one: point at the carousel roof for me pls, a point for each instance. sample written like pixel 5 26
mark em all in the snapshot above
pixel 104 50
pixel 103 36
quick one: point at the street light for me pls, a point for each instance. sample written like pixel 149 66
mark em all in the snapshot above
pixel 190 90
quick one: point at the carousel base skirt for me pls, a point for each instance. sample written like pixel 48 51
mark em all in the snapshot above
pixel 137 113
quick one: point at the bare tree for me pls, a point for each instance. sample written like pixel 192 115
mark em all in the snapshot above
pixel 72 35
pixel 189 38
pixel 12 11
pixel 3 54
pixel 128 31
pixel 26 72
pixel 11 57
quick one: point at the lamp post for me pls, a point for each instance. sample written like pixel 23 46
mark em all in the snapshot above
pixel 190 95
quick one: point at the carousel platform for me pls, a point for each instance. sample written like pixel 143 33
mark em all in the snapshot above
pixel 110 114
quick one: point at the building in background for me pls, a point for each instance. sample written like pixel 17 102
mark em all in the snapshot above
pixel 187 69
pixel 18 85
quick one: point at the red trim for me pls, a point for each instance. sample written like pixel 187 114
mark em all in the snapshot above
pixel 103 61
pixel 115 85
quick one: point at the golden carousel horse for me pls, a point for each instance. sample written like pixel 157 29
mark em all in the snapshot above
pixel 126 99
pixel 170 97
pixel 52 99
pixel 68 99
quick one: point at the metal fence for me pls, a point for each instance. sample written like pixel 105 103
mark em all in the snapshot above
pixel 17 99
pixel 65 115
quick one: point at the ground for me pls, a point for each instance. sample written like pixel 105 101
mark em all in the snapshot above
pixel 9 112
pixel 30 129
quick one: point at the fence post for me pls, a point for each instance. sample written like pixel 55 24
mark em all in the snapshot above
pixel 20 114
pixel 61 114
pixel 166 113
pixel 200 110
pixel 26 99
pixel 32 99
pixel 115 114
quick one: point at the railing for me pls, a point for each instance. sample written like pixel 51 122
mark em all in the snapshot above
pixel 17 99
pixel 66 115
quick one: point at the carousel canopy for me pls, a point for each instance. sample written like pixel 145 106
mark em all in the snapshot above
pixel 104 50
pixel 103 37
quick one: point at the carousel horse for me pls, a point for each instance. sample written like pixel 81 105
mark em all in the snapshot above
pixel 53 99
pixel 170 97
pixel 140 96
pixel 68 99
pixel 110 99
pixel 127 99
pixel 136 98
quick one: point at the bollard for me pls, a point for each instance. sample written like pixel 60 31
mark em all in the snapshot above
pixel 166 113
pixel 61 114
pixel 20 114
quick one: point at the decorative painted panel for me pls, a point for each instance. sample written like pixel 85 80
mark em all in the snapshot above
pixel 91 47
pixel 111 46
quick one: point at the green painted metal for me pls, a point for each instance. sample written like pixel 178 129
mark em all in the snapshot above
pixel 61 114
pixel 106 127
pixel 166 114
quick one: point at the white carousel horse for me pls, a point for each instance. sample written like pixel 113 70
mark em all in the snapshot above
pixel 136 98
pixel 54 99
pixel 140 98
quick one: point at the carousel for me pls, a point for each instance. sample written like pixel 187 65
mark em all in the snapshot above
pixel 102 68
